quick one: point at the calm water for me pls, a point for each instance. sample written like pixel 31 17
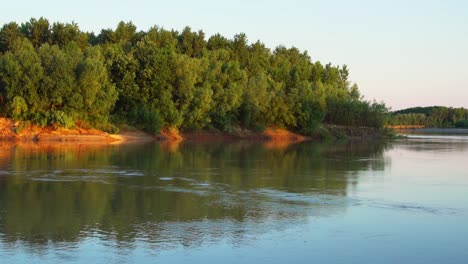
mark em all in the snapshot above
pixel 396 202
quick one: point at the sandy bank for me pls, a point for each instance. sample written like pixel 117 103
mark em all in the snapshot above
pixel 269 134
pixel 21 132
pixel 406 126
pixel 16 131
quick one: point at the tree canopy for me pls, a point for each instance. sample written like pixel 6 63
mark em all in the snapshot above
pixel 432 116
pixel 56 74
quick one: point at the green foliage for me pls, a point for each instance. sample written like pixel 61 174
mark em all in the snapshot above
pixel 433 116
pixel 356 113
pixel 146 118
pixel 21 73
pixel 8 35
pixel 462 124
pixel 55 74
pixel 59 118
pixel 18 108
pixel 97 95
pixel 311 117
pixel 409 119
pixel 64 34
pixel 37 31
pixel 56 86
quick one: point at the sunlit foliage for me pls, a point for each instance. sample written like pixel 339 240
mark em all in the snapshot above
pixel 56 74
pixel 433 116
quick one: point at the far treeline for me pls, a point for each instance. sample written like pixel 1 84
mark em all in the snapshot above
pixel 55 74
pixel 433 116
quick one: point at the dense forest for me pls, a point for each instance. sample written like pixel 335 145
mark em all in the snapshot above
pixel 433 116
pixel 55 74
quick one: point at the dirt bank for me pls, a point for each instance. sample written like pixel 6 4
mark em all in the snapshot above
pixel 353 133
pixel 24 132
pixel 269 134
pixel 405 126
pixel 21 131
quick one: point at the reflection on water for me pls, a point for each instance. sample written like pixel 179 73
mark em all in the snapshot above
pixel 58 193
pixel 76 203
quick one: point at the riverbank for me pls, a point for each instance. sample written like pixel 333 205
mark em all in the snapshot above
pixel 434 130
pixel 405 126
pixel 25 132
pixel 22 131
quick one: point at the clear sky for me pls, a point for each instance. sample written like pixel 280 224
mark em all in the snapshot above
pixel 404 52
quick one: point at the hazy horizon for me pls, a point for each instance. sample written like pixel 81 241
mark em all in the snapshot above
pixel 405 54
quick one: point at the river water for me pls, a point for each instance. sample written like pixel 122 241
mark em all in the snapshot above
pixel 404 201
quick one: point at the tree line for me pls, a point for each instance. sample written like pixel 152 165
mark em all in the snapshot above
pixel 56 74
pixel 433 116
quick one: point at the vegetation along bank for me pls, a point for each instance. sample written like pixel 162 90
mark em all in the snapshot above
pixel 53 75
pixel 433 116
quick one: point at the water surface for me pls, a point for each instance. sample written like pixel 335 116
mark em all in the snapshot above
pixel 395 202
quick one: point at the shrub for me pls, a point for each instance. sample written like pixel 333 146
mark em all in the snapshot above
pixel 59 118
pixel 462 124
pixel 18 108
pixel 146 118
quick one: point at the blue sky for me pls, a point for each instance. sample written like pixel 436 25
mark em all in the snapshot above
pixel 406 53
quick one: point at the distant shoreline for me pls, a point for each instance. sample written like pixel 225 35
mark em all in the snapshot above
pixel 435 130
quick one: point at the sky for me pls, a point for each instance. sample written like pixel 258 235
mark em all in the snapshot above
pixel 403 52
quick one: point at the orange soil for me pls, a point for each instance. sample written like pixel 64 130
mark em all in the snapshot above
pixel 8 132
pixel 405 126
pixel 172 134
pixel 269 134
pixel 7 127
pixel 277 134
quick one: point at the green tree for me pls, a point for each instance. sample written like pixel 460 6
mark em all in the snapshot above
pixel 8 35
pixel 122 67
pixel 62 34
pixel 58 75
pixel 155 80
pixel 227 82
pixel 95 94
pixel 37 31
pixel 20 75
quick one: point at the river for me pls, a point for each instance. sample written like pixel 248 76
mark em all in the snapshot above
pixel 403 201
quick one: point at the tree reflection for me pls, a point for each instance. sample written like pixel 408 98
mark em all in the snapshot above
pixel 171 194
